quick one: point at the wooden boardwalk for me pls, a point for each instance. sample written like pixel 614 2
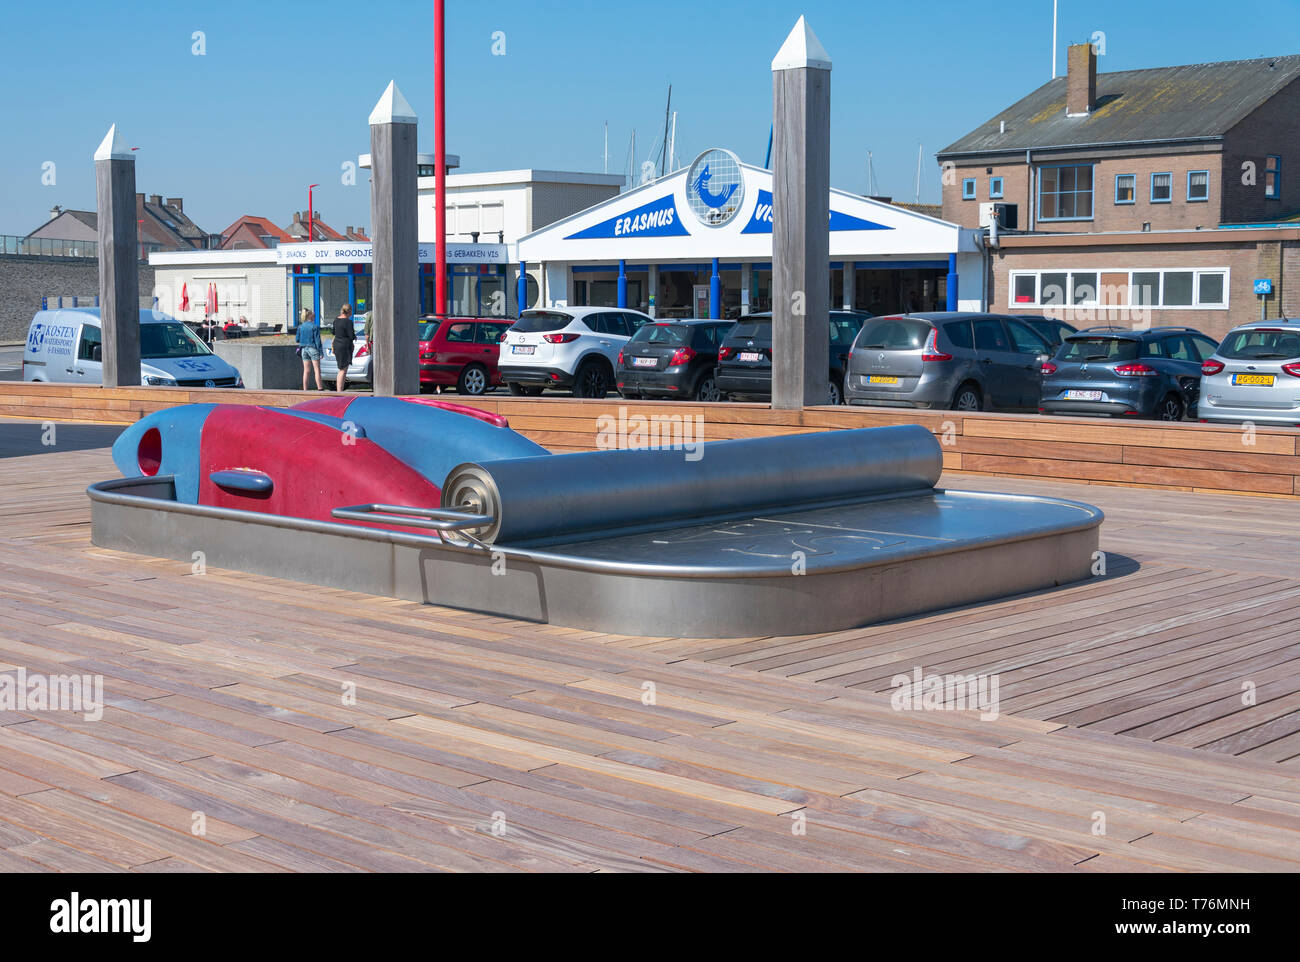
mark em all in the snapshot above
pixel 314 729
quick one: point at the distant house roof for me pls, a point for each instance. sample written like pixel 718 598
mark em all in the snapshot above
pixel 1196 102
pixel 258 228
pixel 175 221
pixel 52 228
pixel 321 231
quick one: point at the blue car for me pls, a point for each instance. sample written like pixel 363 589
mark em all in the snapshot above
pixel 1115 371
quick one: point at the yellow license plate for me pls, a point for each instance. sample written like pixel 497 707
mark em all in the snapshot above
pixel 882 380
pixel 1260 380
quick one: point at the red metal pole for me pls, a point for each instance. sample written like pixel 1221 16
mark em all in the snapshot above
pixel 440 155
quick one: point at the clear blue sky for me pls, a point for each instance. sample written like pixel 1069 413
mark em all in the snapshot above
pixel 281 97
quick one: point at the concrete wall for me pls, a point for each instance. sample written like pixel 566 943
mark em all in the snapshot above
pixel 24 280
pixel 264 367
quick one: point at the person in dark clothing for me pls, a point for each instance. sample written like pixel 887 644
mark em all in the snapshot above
pixel 344 340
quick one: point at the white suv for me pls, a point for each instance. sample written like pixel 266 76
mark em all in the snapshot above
pixel 563 347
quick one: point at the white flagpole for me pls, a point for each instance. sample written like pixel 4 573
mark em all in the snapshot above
pixel 1054 21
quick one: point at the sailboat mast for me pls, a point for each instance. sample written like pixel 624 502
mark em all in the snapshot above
pixel 663 151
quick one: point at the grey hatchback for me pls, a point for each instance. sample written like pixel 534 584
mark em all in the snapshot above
pixel 964 361
pixel 1153 373
pixel 1254 375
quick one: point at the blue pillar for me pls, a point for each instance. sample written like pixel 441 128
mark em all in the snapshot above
pixel 622 283
pixel 715 293
pixel 521 289
pixel 952 282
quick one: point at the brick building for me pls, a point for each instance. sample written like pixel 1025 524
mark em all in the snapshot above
pixel 1145 195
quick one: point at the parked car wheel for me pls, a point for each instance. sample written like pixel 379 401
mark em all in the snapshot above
pixel 968 398
pixel 592 380
pixel 837 393
pixel 706 389
pixel 1170 409
pixel 473 380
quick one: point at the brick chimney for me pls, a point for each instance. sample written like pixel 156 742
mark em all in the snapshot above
pixel 177 202
pixel 155 199
pixel 1081 89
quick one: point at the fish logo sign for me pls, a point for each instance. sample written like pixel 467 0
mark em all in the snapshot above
pixel 701 186
pixel 715 187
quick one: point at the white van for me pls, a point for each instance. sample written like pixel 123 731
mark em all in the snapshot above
pixel 64 347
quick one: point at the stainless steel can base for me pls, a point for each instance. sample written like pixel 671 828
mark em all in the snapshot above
pixel 801 571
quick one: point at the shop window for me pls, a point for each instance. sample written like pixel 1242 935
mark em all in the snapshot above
pixel 1065 193
pixel 968 189
pixel 1126 189
pixel 1054 288
pixel 1211 289
pixel 1162 188
pixel 1273 177
pixel 1025 287
pixel 995 188
pixel 1198 185
pixel 1178 288
pixel 1145 289
pixel 1083 289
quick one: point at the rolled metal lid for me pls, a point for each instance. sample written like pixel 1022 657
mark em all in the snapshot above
pixel 542 498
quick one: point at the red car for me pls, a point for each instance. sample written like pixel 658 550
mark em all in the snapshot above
pixel 461 352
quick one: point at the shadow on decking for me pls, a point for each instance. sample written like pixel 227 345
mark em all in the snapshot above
pixel 22 439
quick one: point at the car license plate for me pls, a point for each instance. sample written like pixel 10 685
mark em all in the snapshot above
pixel 878 379
pixel 644 361
pixel 1083 395
pixel 523 349
pixel 1257 380
pixel 749 356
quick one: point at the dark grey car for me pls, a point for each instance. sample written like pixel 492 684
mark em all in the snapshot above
pixel 1154 373
pixel 963 361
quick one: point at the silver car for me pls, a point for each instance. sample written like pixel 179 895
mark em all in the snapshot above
pixel 1254 375
pixel 962 361
pixel 359 369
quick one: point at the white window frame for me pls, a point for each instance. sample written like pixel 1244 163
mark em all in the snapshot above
pixel 1127 272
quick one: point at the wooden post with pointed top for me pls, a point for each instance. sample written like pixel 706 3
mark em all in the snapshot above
pixel 396 294
pixel 801 185
pixel 119 271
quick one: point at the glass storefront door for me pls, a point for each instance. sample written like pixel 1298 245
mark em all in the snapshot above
pixel 304 295
pixel 334 292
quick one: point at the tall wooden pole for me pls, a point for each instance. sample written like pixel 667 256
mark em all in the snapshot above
pixel 801 185
pixel 440 155
pixel 396 254
pixel 119 270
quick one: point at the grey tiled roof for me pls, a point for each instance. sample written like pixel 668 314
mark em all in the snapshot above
pixel 1198 101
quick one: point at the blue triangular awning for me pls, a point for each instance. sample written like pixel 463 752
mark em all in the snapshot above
pixel 658 218
pixel 761 220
